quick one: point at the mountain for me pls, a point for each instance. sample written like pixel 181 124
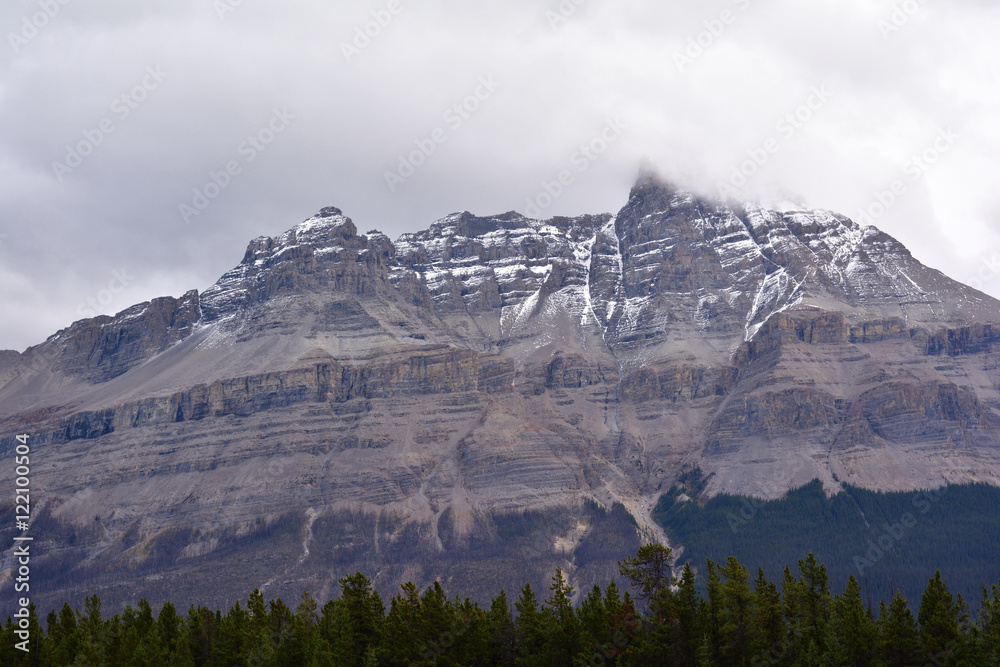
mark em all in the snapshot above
pixel 488 398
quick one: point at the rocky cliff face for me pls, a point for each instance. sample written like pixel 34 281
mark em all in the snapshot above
pixel 490 397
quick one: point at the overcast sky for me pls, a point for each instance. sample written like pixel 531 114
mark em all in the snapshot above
pixel 115 114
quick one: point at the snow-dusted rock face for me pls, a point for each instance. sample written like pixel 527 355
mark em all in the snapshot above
pixel 404 398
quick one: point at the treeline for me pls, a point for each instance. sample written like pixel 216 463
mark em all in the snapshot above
pixel 663 620
pixel 885 539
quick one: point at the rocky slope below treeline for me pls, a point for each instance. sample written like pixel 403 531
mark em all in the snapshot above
pixel 489 398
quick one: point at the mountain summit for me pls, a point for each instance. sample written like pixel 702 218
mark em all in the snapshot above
pixel 492 396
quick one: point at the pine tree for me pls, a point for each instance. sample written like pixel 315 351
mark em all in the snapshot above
pixel 688 637
pixel 171 631
pixel 649 570
pixel 436 632
pixel 706 653
pixel 815 600
pixel 767 625
pixel 989 626
pixel 201 628
pixel 853 626
pixel 302 640
pixel 64 637
pixel 735 613
pixel 595 625
pixel 939 618
pixel 566 628
pixel 899 635
pixel 502 632
pixel 352 624
pixel 534 629
pixel 94 635
pixel 402 642
pixel 711 610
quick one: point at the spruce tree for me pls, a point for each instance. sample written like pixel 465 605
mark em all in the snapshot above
pixel 735 613
pixel 688 636
pixel 989 626
pixel 767 625
pixel 853 626
pixel 566 626
pixel 502 632
pixel 534 630
pixel 939 619
pixel 402 642
pixel 649 570
pixel 900 638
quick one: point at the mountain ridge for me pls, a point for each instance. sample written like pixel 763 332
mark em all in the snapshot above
pixel 429 389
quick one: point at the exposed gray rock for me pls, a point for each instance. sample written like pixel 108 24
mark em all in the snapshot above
pixel 460 403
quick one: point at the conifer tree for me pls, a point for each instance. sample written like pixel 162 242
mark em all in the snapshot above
pixel 352 624
pixel 853 626
pixel 688 637
pixel 989 626
pixel 815 600
pixel 534 628
pixel 735 613
pixel 402 641
pixel 711 611
pixel 230 646
pixel 899 634
pixel 767 625
pixel 200 634
pixel 939 618
pixel 649 570
pixel 566 628
pixel 502 631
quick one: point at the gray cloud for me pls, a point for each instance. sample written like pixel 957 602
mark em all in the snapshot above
pixel 563 75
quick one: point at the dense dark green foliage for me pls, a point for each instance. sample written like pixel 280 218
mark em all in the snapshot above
pixel 955 528
pixel 739 620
